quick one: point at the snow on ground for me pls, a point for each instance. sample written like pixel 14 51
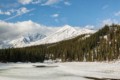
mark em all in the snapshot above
pixel 62 71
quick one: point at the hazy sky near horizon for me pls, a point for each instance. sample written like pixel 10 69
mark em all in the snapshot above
pixel 61 12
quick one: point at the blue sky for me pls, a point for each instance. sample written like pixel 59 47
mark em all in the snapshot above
pixel 61 12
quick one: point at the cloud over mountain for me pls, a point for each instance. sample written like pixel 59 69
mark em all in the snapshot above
pixel 13 30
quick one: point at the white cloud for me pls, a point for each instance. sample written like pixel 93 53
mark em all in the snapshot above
pixel 43 2
pixel 109 22
pixel 89 26
pixel 5 13
pixel 13 30
pixel 12 10
pixel 50 2
pixel 22 11
pixel 55 15
pixel 67 3
pixel 117 13
pixel 36 1
pixel 19 12
pixel 25 1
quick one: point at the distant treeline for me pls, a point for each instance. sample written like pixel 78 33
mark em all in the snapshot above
pixel 104 45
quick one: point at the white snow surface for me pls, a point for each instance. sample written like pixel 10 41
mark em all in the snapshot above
pixel 63 71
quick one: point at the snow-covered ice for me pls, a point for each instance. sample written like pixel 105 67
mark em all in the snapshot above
pixel 62 71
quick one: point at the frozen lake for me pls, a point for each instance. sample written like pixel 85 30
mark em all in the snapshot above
pixel 60 71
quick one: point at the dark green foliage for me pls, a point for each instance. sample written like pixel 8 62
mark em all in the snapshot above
pixel 100 46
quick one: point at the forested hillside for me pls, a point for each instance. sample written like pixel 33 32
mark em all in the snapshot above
pixel 104 45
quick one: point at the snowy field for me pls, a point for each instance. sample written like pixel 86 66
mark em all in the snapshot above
pixel 60 71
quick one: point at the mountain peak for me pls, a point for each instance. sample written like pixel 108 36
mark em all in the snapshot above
pixel 66 28
pixel 64 33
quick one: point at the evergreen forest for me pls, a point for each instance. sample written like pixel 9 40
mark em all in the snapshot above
pixel 103 45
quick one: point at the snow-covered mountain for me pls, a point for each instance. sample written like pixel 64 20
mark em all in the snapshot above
pixel 33 37
pixel 23 40
pixel 62 34
pixel 66 32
